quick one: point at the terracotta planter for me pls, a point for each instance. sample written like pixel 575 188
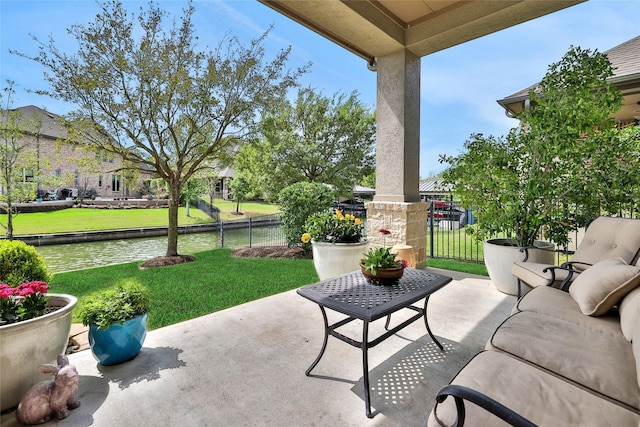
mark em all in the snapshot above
pixel 383 276
pixel 499 256
pixel 24 346
pixel 336 259
pixel 120 342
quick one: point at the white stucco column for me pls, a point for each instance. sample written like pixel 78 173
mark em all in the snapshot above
pixel 396 205
pixel 398 128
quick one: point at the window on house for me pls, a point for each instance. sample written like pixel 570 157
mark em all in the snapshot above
pixel 58 172
pixel 76 178
pixel 115 183
pixel 100 181
pixel 27 175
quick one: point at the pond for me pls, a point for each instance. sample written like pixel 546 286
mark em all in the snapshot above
pixel 78 256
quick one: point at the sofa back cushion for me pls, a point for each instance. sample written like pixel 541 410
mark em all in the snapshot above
pixel 608 237
pixel 603 285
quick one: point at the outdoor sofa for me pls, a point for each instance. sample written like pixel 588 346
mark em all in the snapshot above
pixel 561 358
pixel 606 237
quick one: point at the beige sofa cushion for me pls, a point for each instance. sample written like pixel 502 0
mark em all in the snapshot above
pixel 603 285
pixel 561 305
pixel 610 237
pixel 630 313
pixel 532 273
pixel 598 361
pixel 543 398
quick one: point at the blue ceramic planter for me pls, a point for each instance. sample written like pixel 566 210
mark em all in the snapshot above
pixel 120 342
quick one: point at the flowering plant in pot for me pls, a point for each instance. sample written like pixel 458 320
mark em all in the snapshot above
pixel 336 241
pixel 117 320
pixel 23 302
pixel 380 265
pixel 332 226
pixel 32 321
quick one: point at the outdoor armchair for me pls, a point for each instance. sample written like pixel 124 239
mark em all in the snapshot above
pixel 606 237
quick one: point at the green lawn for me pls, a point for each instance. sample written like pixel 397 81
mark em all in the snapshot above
pixel 215 281
pixel 70 220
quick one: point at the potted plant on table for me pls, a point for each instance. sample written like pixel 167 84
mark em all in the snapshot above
pixel 552 174
pixel 336 241
pixel 380 266
pixel 33 322
pixel 117 320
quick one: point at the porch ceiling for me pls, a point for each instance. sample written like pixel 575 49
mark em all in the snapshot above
pixel 376 28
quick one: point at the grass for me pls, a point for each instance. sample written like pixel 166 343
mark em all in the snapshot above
pixel 228 209
pixel 215 281
pixel 72 220
pixel 462 266
pixel 455 244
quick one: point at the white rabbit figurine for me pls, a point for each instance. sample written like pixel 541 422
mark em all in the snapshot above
pixel 50 398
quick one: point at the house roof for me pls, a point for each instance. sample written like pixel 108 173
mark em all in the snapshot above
pixel 625 59
pixel 377 28
pixel 49 123
pixel 434 185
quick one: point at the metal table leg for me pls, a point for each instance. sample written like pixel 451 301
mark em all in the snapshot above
pixel 426 323
pixel 324 343
pixel 365 368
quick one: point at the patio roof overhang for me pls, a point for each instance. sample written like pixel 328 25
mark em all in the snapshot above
pixel 376 28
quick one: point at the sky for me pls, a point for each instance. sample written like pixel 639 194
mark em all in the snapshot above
pixel 459 86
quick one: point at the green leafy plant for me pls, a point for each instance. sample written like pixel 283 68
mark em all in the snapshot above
pixel 377 258
pixel 21 263
pixel 563 166
pixel 332 226
pixel 126 300
pixel 299 201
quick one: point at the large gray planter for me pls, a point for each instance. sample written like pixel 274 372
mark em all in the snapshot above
pixel 499 256
pixel 24 346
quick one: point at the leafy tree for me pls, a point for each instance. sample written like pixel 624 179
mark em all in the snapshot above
pixel 16 157
pixel 239 189
pixel 146 94
pixel 299 201
pixel 564 165
pixel 319 139
pixel 191 190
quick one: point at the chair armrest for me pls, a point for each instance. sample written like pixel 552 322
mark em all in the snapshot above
pixel 570 264
pixel 568 267
pixel 461 393
pixel 525 249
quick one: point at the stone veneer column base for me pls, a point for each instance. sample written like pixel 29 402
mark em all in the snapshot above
pixel 407 223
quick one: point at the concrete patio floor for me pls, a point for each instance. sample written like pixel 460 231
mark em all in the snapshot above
pixel 245 366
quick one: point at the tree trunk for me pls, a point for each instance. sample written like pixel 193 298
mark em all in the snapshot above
pixel 172 244
pixel 9 222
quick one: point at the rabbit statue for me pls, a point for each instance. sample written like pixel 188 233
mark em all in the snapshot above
pixel 53 398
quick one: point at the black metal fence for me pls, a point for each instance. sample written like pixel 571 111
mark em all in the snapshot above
pixel 263 230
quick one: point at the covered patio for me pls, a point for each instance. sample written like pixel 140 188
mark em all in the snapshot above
pixel 245 366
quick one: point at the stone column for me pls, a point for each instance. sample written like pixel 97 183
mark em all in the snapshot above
pixel 396 205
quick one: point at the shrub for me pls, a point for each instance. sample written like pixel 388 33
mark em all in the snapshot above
pixel 297 202
pixel 20 263
pixel 126 300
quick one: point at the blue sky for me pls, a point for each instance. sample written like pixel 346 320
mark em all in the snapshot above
pixel 460 85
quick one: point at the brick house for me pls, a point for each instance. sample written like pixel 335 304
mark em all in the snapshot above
pixel 67 167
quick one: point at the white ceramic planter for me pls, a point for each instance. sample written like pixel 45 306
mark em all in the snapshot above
pixel 499 259
pixel 336 259
pixel 24 346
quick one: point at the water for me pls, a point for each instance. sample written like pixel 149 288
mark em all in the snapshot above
pixel 78 256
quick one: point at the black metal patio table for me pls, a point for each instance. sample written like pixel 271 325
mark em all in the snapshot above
pixel 352 295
